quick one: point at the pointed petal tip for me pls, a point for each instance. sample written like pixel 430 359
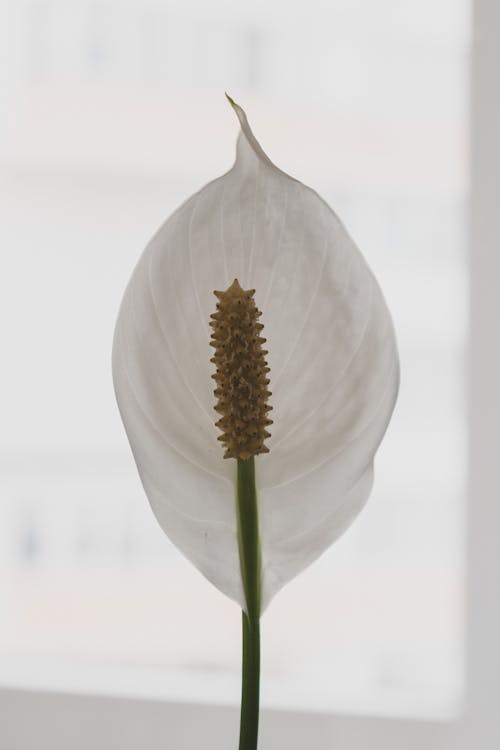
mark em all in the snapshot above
pixel 239 112
pixel 248 135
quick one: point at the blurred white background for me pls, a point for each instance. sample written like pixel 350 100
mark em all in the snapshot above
pixel 111 114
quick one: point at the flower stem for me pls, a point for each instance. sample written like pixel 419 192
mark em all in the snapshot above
pixel 249 719
pixel 250 564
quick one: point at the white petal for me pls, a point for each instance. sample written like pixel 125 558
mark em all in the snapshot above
pixel 333 359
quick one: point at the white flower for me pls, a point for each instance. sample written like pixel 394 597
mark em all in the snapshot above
pixel 333 359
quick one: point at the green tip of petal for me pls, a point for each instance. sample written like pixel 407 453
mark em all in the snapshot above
pixel 230 100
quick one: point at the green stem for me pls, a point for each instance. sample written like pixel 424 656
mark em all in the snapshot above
pixel 249 550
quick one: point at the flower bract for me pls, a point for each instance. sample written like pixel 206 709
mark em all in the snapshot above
pixel 332 357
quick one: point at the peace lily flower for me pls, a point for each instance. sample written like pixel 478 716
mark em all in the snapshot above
pixel 330 356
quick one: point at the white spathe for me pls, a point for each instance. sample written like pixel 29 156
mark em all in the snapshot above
pixel 333 359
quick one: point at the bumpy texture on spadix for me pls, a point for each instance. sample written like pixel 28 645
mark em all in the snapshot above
pixel 241 373
pixel 332 354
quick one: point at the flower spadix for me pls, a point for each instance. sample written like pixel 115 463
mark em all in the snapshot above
pixel 241 374
pixel 330 357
